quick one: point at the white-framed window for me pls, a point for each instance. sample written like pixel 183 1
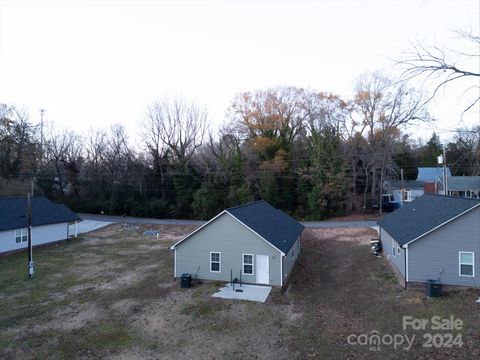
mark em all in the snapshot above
pixel 398 249
pixel 466 263
pixel 394 248
pixel 247 264
pixel 21 235
pixel 215 261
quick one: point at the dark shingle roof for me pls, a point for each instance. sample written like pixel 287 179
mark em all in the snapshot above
pixel 13 210
pixel 272 224
pixel 407 184
pixel 424 214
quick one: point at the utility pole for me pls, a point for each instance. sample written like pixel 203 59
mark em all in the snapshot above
pixel 442 159
pixel 29 227
pixel 42 113
pixel 403 187
pixel 445 178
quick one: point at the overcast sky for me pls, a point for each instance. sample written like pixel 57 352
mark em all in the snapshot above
pixel 95 63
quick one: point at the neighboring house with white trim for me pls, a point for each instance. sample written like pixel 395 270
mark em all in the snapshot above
pixel 428 181
pixel 254 241
pixel 463 186
pixel 434 237
pixel 50 222
pixel 405 191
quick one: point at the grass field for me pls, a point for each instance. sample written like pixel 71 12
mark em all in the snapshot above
pixel 110 294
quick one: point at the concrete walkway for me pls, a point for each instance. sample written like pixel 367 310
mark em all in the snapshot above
pixel 247 292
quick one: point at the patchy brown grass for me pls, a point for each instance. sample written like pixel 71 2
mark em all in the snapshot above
pixel 342 289
pixel 110 294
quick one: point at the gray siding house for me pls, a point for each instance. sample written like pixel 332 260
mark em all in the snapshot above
pixel 50 223
pixel 255 240
pixel 434 237
pixel 464 186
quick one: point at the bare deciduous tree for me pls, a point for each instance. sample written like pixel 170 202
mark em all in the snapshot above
pixel 443 65
pixel 95 146
pixel 325 110
pixel 385 106
pixel 63 148
pixel 176 127
pixel 173 130
pixel 18 149
pixel 118 153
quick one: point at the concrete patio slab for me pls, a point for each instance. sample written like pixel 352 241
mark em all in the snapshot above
pixel 249 292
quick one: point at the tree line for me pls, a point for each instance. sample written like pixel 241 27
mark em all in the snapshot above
pixel 312 154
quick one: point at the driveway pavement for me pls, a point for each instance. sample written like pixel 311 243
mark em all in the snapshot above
pixel 130 219
pixel 87 226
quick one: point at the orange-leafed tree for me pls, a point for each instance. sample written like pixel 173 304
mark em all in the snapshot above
pixel 270 119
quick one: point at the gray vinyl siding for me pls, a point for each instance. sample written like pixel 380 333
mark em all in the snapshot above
pixel 436 255
pixel 398 261
pixel 290 259
pixel 232 239
pixel 40 235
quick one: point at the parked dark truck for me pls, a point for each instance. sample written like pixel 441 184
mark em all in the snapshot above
pixel 388 203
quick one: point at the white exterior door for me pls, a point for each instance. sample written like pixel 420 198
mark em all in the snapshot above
pixel 263 269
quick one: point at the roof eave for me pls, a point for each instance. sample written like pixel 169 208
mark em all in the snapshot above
pixel 173 247
pixel 442 224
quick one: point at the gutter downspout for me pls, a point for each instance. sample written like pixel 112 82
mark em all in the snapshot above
pixel 281 270
pixel 406 266
pixel 174 264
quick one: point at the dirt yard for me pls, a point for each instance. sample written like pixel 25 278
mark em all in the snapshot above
pixel 110 294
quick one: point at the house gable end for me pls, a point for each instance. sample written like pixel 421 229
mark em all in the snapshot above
pixel 423 215
pixel 197 230
pixel 437 255
pixel 439 227
pixel 223 213
pixel 230 239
